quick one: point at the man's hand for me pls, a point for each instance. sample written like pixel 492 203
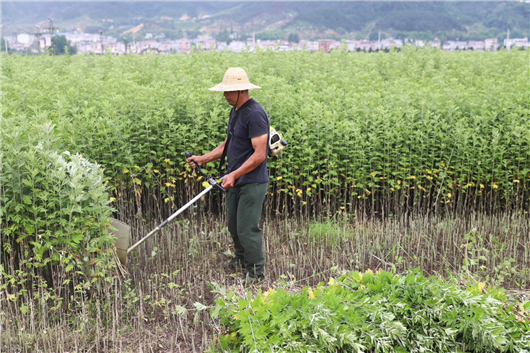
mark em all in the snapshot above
pixel 259 143
pixel 228 181
pixel 195 159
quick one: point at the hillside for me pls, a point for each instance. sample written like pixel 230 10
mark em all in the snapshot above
pixel 276 20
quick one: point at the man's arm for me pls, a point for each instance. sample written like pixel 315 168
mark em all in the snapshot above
pixel 214 155
pixel 259 143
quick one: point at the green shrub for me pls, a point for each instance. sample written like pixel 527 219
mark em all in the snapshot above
pixel 54 204
pixel 367 312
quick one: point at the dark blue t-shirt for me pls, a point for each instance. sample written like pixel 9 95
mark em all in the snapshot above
pixel 252 122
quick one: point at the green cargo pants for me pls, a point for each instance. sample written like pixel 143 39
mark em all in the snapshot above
pixel 244 204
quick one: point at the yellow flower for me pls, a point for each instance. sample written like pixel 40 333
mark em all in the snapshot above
pixel 279 178
pixel 481 286
pixel 167 160
pixel 331 281
pixel 112 199
pixel 125 171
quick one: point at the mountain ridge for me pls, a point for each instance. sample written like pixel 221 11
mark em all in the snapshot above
pixel 276 19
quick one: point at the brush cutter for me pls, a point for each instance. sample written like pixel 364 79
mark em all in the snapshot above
pixel 123 231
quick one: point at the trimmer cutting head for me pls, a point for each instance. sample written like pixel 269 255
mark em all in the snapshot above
pixel 122 234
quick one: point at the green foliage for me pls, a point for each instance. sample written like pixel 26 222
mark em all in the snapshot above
pixel 383 130
pixel 367 312
pixel 293 38
pixel 329 232
pixel 54 204
pixel 62 46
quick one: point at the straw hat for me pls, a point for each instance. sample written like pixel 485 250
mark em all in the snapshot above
pixel 235 79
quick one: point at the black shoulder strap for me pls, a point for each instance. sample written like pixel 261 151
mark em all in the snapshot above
pixel 229 137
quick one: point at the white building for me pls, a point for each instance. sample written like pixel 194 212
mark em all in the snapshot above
pixel 237 47
pixel 25 39
pixel 454 45
pixel 476 45
pixel 491 44
pixel 516 42
pixel 436 43
pixel 308 45
pixel 419 44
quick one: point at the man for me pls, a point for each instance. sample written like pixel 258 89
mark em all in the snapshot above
pixel 247 177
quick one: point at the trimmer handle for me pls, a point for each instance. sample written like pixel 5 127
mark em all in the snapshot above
pixel 210 180
pixel 188 155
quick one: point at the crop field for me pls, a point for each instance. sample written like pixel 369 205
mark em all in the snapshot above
pixel 397 218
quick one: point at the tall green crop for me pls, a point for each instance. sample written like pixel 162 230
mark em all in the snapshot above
pixel 417 130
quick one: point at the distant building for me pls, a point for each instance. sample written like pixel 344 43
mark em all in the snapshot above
pixel 236 47
pixel 26 39
pixel 436 43
pixel 388 43
pixel 146 45
pixel 308 45
pixel 185 45
pixel 326 45
pixel 516 42
pixel 454 45
pixel 491 44
pixel 476 45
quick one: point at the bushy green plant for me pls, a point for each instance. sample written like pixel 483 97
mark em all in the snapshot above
pixel 54 205
pixel 367 312
pixel 388 131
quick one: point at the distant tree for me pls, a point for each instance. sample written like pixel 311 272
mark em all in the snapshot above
pixel 60 45
pixel 373 36
pixel 223 36
pixel 293 38
pixel 173 34
pixel 270 35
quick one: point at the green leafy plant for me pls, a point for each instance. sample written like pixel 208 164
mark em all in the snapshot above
pixel 365 312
